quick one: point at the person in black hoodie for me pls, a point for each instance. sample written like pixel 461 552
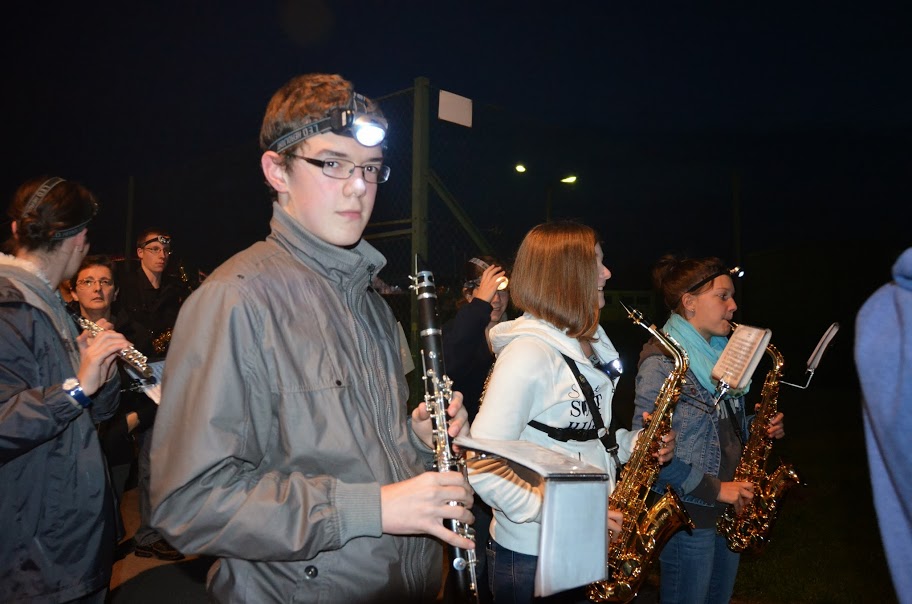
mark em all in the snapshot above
pixel 152 298
pixel 468 355
pixel 483 304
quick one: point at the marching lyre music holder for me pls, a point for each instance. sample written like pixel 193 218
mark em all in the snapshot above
pixel 815 357
pixel 572 549
pixel 739 359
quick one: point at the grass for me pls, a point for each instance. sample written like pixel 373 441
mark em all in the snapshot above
pixel 825 546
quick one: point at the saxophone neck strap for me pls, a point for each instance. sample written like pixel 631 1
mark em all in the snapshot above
pixel 736 427
pixel 606 436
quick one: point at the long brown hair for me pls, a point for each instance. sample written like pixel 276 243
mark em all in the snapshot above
pixel 554 277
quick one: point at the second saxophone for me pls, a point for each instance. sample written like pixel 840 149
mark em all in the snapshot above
pixel 646 529
pixel 750 529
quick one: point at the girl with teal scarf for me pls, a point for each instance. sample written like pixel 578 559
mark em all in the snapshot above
pixel 698 567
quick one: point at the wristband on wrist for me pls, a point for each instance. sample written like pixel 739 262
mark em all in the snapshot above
pixel 73 388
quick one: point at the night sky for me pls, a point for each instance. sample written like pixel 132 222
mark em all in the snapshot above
pixel 800 111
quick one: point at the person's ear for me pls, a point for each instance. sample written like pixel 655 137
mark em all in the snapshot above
pixel 275 171
pixel 688 301
pixel 15 227
pixel 82 239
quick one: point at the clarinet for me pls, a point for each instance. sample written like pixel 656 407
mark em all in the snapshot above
pixel 437 394
pixel 129 355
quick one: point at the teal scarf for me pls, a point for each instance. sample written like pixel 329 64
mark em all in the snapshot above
pixel 703 355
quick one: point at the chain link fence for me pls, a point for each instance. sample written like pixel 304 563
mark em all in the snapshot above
pixel 468 198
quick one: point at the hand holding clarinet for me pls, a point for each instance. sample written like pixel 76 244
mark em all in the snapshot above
pixel 420 505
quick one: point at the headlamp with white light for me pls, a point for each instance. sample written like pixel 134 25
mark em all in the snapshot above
pixel 352 120
pixel 162 239
pixel 733 272
pixel 502 282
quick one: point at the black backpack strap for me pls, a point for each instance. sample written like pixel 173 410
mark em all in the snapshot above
pixel 606 436
pixel 565 434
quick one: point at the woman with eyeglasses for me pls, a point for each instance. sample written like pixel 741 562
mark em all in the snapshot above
pixel 534 395
pixel 57 514
pixel 467 352
pixel 95 292
pixel 698 567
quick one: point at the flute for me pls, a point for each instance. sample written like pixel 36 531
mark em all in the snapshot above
pixel 437 397
pixel 129 355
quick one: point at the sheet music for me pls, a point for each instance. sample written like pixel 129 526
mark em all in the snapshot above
pixel 741 356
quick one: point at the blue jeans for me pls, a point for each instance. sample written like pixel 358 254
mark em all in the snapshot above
pixel 697 568
pixel 511 576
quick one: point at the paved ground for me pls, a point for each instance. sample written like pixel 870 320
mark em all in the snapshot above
pixel 138 580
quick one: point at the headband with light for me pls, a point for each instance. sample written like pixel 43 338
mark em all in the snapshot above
pixel 734 272
pixel 502 281
pixel 353 120
pixel 162 239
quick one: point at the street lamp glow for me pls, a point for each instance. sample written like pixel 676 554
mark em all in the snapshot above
pixel 520 168
pixel 569 180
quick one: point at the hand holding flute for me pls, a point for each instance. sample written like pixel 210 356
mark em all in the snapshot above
pixel 126 353
pixel 98 352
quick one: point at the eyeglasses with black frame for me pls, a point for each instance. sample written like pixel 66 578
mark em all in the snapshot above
pixel 157 250
pixel 342 169
pixel 89 283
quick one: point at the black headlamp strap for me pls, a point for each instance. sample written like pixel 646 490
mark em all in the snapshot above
pixel 304 132
pixel 162 239
pixel 606 436
pixel 340 120
pixel 39 194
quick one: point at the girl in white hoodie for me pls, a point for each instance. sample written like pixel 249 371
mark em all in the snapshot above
pixel 532 394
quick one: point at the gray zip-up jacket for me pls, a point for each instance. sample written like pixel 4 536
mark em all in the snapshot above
pixel 283 412
pixel 57 522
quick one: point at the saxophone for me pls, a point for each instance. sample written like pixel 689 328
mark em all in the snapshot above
pixel 645 530
pixel 438 392
pixel 750 529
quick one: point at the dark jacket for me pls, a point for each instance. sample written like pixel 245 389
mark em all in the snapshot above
pixel 154 309
pixel 56 512
pixel 117 441
pixel 466 353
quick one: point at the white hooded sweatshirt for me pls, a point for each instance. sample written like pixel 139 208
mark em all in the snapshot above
pixel 532 381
